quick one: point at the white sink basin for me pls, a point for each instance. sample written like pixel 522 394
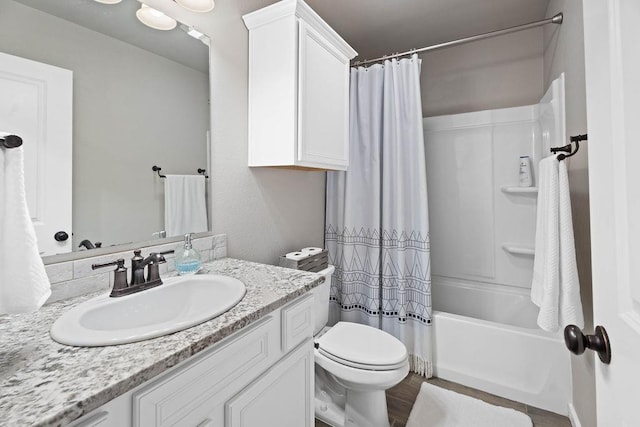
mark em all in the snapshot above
pixel 179 303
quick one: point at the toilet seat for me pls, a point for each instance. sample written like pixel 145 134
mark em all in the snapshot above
pixel 362 347
pixel 361 379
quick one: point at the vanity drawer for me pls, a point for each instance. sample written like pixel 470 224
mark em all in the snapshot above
pixel 196 388
pixel 297 322
pixel 98 419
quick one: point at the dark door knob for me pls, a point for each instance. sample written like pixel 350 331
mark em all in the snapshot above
pixel 577 342
pixel 11 141
pixel 61 236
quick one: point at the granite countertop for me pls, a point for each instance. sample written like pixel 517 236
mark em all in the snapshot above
pixel 49 384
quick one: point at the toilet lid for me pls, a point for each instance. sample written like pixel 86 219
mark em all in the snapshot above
pixel 362 346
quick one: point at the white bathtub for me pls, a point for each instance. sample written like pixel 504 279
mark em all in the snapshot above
pixel 486 338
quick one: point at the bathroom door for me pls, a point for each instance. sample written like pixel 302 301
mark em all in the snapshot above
pixel 36 104
pixel 612 66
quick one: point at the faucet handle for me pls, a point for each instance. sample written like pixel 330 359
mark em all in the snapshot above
pixel 158 258
pixel 153 270
pixel 119 262
pixel 120 275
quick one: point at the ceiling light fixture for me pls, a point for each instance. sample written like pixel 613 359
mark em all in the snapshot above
pixel 197 5
pixel 155 19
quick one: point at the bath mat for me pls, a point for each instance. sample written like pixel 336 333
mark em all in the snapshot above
pixel 438 407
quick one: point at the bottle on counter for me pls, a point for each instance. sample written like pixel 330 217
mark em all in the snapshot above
pixel 188 260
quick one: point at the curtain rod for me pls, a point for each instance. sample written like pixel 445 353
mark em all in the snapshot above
pixel 556 19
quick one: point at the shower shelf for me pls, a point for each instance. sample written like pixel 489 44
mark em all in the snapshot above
pixel 518 250
pixel 515 189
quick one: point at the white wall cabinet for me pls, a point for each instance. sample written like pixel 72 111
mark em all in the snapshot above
pixel 261 375
pixel 298 89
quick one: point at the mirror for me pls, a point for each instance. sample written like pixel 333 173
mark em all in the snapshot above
pixel 140 98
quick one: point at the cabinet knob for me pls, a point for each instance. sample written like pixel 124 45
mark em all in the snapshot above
pixel 577 342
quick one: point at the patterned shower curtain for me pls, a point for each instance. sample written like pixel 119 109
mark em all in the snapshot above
pixel 377 223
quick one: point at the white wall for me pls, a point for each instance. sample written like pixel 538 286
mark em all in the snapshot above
pixel 564 52
pixel 265 212
pixel 499 72
pixel 131 109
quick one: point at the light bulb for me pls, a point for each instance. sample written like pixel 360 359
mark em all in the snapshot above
pixel 155 19
pixel 197 5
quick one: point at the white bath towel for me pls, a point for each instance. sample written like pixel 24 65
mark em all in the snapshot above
pixel 570 311
pixel 185 209
pixel 555 287
pixel 24 285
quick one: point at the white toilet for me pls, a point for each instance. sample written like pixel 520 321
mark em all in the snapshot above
pixel 354 365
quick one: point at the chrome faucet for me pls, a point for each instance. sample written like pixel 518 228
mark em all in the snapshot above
pixel 138 281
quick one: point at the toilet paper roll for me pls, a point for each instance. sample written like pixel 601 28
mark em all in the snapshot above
pixel 297 256
pixel 311 250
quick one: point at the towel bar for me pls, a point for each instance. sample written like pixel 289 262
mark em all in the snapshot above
pixel 158 169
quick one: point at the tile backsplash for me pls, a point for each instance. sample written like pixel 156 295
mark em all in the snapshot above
pixel 74 278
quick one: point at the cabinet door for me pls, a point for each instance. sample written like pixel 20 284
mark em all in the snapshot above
pixel 194 394
pixel 323 102
pixel 282 397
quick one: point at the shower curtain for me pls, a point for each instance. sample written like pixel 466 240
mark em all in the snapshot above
pixel 377 226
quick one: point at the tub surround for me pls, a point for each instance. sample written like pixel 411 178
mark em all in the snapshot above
pixel 49 384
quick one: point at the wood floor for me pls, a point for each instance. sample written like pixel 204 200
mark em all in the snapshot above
pixel 401 397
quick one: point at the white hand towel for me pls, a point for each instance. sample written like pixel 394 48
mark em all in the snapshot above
pixel 185 208
pixel 545 292
pixel 570 303
pixel 24 285
pixel 555 287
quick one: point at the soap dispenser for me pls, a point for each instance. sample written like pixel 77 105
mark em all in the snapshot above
pixel 187 258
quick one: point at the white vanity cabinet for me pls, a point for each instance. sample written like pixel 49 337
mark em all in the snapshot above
pixel 298 89
pixel 261 375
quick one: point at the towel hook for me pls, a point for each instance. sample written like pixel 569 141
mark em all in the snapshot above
pixel 569 147
pixel 203 172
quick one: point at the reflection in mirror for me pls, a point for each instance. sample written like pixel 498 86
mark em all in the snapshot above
pixel 140 98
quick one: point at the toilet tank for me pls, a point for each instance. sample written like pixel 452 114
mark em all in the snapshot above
pixel 321 300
